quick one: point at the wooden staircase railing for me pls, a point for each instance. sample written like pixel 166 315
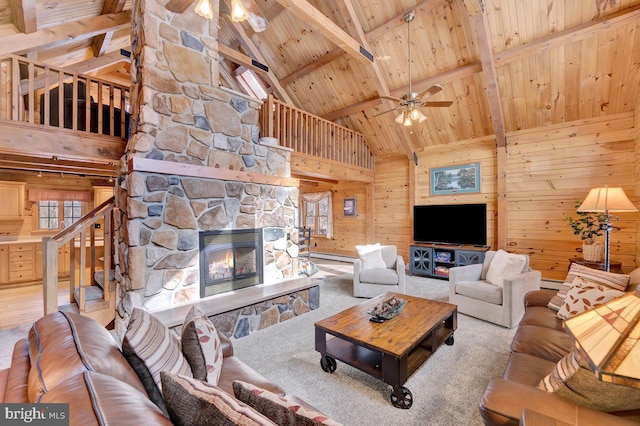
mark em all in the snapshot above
pixel 309 134
pixel 28 92
pixel 82 234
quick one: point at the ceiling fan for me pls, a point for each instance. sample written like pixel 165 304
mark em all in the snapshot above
pixel 238 10
pixel 412 100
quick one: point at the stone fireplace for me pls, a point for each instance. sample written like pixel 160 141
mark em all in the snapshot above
pixel 193 168
pixel 230 260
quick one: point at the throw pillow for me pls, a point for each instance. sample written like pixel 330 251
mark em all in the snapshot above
pixel 572 379
pixel 505 265
pixel 371 256
pixel 155 347
pixel 585 295
pixel 280 409
pixel 192 402
pixel 607 279
pixel 201 346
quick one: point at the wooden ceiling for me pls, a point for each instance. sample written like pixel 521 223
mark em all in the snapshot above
pixel 507 64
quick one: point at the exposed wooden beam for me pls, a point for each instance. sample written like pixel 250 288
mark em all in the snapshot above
pixel 425 6
pixel 23 162
pixel 345 7
pixel 96 64
pixel 66 33
pixel 442 78
pixel 241 59
pixel 101 42
pixel 314 18
pixel 84 67
pixel 321 61
pixel 580 32
pixel 23 15
pixel 178 6
pixel 481 29
pixel 250 47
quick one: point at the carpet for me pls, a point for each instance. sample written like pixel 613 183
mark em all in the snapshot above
pixel 8 338
pixel 446 389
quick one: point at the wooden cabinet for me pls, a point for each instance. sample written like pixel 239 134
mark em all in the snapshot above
pixel 12 196
pixel 434 260
pixel 4 264
pixel 21 262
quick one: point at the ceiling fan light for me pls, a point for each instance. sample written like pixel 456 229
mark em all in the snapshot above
pixel 204 9
pixel 400 118
pixel 238 11
pixel 407 121
pixel 414 114
pixel 421 117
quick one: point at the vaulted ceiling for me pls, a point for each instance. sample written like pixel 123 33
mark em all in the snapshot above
pixel 506 64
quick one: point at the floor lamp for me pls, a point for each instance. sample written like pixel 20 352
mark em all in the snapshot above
pixel 607 200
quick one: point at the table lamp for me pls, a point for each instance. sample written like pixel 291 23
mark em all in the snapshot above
pixel 607 200
pixel 608 336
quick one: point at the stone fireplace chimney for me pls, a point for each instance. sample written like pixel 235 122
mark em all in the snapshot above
pixel 193 163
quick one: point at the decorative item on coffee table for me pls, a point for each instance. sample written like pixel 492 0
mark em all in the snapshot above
pixel 388 308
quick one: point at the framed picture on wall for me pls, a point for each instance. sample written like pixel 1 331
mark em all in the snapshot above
pixel 349 207
pixel 455 179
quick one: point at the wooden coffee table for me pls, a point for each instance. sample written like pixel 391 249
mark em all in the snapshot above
pixel 392 350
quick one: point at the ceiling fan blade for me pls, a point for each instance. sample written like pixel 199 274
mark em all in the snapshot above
pixel 384 112
pixel 436 88
pixel 437 104
pixel 391 98
pixel 178 6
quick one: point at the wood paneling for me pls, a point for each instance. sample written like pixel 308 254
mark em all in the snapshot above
pixel 549 171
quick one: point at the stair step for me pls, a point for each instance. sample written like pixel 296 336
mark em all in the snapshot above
pixel 90 292
pixel 95 305
pixel 98 277
pixel 70 307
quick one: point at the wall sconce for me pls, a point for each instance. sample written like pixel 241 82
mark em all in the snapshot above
pixel 238 11
pixel 204 9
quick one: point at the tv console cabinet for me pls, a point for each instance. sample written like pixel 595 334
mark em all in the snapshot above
pixel 434 260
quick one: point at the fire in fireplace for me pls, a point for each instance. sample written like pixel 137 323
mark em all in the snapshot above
pixel 230 260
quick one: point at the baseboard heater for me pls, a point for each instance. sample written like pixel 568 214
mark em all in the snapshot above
pixel 335 257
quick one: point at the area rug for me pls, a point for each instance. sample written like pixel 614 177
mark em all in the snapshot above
pixel 446 389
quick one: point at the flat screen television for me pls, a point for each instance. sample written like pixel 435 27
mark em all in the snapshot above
pixel 464 224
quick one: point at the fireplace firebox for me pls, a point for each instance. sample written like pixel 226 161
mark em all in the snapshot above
pixel 230 260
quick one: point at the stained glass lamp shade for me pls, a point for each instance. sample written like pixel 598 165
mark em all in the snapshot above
pixel 609 338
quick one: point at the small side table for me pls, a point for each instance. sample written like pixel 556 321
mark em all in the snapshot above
pixel 614 266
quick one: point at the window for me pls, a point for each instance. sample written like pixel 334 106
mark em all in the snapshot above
pixel 316 215
pixel 251 83
pixel 58 214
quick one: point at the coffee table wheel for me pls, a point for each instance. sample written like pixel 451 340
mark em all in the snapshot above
pixel 405 401
pixel 449 340
pixel 328 364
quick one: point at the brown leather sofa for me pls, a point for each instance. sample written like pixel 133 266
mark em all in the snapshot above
pixel 539 343
pixel 72 359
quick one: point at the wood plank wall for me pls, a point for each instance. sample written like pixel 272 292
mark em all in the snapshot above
pixel 392 204
pixel 348 231
pixel 481 150
pixel 550 169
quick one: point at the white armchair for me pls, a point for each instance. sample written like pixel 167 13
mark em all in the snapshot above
pixel 494 293
pixel 377 273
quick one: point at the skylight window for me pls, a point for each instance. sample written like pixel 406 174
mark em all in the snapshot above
pixel 251 83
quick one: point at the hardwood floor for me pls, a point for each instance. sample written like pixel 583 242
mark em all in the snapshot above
pixel 25 305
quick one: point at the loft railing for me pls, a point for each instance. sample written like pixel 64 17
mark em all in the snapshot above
pixel 82 235
pixel 30 93
pixel 309 134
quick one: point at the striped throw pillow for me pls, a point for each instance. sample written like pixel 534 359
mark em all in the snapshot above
pixel 155 345
pixel 607 279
